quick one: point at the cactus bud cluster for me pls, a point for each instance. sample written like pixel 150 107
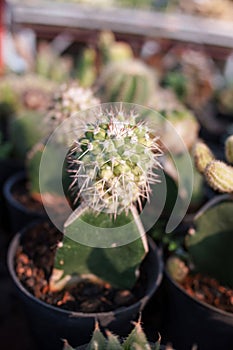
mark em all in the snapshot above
pixel 70 98
pixel 218 174
pixel 135 340
pixel 113 162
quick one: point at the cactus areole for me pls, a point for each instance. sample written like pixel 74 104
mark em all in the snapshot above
pixel 113 162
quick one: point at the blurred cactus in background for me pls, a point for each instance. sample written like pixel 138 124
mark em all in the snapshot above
pixel 86 70
pixel 191 74
pixel 129 81
pixel 52 66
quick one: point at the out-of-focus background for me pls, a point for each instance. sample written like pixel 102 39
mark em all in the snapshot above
pixel 111 47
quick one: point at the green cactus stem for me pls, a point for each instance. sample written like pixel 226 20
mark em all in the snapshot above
pixel 229 149
pixel 202 156
pixel 220 176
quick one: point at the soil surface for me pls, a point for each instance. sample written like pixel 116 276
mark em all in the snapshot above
pixel 21 193
pixel 56 203
pixel 34 264
pixel 208 290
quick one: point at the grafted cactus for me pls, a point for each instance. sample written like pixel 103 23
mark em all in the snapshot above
pixel 218 174
pixel 136 340
pixel 113 164
pixel 129 81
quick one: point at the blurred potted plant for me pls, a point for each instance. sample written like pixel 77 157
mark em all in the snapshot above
pixel 22 190
pixel 203 275
pixel 104 267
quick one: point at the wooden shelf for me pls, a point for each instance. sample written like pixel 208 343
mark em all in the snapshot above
pixel 51 18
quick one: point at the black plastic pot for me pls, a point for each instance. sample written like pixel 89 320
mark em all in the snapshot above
pixel 190 321
pixel 8 167
pixel 50 324
pixel 19 215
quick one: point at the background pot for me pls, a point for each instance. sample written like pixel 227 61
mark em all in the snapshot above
pixel 19 215
pixel 50 324
pixel 8 167
pixel 190 321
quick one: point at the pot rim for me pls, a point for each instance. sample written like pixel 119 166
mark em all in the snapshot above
pixel 153 249
pixel 199 302
pixel 7 191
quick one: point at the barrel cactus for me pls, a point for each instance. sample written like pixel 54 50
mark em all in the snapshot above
pixel 113 165
pixel 127 81
pixel 135 340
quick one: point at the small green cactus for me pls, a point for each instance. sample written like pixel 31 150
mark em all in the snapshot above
pixel 209 241
pixel 202 156
pixel 112 50
pixel 129 81
pixel 218 174
pixel 136 340
pixel 176 268
pixel 229 149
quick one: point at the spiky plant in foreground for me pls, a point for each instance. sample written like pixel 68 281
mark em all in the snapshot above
pixel 135 340
pixel 112 167
pixel 218 174
pixel 113 163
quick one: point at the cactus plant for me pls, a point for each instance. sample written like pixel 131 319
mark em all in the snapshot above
pixel 112 167
pixel 229 149
pixel 135 340
pixel 70 98
pixel 111 50
pixel 191 76
pixel 217 173
pixel 52 66
pixel 209 241
pixel 128 81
